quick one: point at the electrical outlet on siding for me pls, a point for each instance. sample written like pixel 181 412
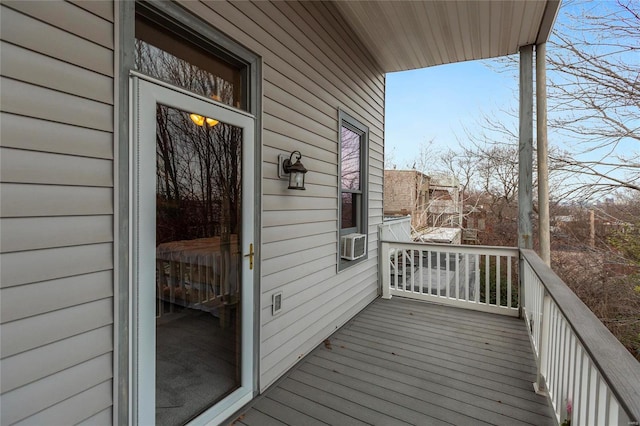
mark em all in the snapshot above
pixel 276 303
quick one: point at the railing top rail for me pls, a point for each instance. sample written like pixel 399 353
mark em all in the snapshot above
pixel 456 248
pixel 618 367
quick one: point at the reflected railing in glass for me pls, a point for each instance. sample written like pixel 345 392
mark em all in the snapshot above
pixel 198 263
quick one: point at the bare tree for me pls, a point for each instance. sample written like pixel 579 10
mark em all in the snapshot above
pixel 594 95
pixel 198 167
pixel 462 164
pixel 593 80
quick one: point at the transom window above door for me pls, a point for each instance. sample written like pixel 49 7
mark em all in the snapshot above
pixel 166 51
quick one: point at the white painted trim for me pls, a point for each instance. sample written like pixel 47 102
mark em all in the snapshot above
pixel 164 84
pixel 133 126
pixel 117 320
pixel 456 248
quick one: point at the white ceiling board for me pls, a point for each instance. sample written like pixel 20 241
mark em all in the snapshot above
pixel 405 35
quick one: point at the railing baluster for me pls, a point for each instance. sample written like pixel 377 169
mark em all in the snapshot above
pixel 593 395
pixel 614 411
pixel 447 276
pixel 396 271
pixel 540 294
pixel 413 273
pixel 552 350
pixel 571 367
pixel 566 384
pixel 584 394
pixel 421 275
pixel 457 275
pixel 603 398
pixel 404 270
pixel 577 386
pixel 487 281
pixel 558 363
pixel 172 285
pixel 509 260
pixel 477 279
pixel 466 276
pixel 562 379
pixel 438 271
pixel 429 277
pixel 498 261
pixel 534 296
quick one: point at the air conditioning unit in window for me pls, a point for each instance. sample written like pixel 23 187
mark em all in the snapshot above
pixel 353 246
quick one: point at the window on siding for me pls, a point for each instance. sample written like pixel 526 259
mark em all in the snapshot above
pixel 354 141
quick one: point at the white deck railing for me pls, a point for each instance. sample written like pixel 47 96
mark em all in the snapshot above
pixel 579 362
pixel 476 277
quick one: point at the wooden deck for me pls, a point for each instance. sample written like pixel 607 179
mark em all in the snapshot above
pixel 407 362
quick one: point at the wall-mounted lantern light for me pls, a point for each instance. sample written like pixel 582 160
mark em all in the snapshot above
pixel 295 170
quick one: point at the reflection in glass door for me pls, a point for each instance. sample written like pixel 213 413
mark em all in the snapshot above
pixel 198 205
pixel 192 221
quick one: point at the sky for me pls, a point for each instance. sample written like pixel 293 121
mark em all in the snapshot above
pixel 437 103
pixel 442 103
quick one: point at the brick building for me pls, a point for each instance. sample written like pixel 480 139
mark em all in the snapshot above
pixel 407 192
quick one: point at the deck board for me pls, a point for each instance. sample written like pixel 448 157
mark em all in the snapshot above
pixel 408 362
pixel 453 342
pixel 312 408
pixel 285 413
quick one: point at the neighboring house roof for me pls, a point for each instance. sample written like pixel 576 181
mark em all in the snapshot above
pixel 445 181
pixel 440 235
pixel 405 35
pixel 406 171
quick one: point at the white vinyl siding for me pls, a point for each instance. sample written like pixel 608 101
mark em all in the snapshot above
pixel 312 65
pixel 56 217
pixel 56 182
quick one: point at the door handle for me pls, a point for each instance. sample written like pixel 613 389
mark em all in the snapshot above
pixel 250 255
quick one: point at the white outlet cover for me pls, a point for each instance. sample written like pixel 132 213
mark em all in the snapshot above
pixel 276 303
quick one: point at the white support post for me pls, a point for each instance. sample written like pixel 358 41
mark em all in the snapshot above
pixel 525 159
pixel 525 163
pixel 543 160
pixel 384 260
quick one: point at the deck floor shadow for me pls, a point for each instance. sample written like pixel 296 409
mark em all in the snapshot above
pixel 402 362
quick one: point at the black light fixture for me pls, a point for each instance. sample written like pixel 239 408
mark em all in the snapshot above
pixel 296 171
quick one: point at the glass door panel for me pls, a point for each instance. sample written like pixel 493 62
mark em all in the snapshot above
pixel 198 259
pixel 191 256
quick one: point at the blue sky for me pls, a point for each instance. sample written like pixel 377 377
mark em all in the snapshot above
pixel 436 103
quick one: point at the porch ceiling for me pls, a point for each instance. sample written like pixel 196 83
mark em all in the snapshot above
pixel 405 35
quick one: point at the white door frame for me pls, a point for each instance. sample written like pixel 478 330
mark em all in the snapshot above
pixel 146 92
